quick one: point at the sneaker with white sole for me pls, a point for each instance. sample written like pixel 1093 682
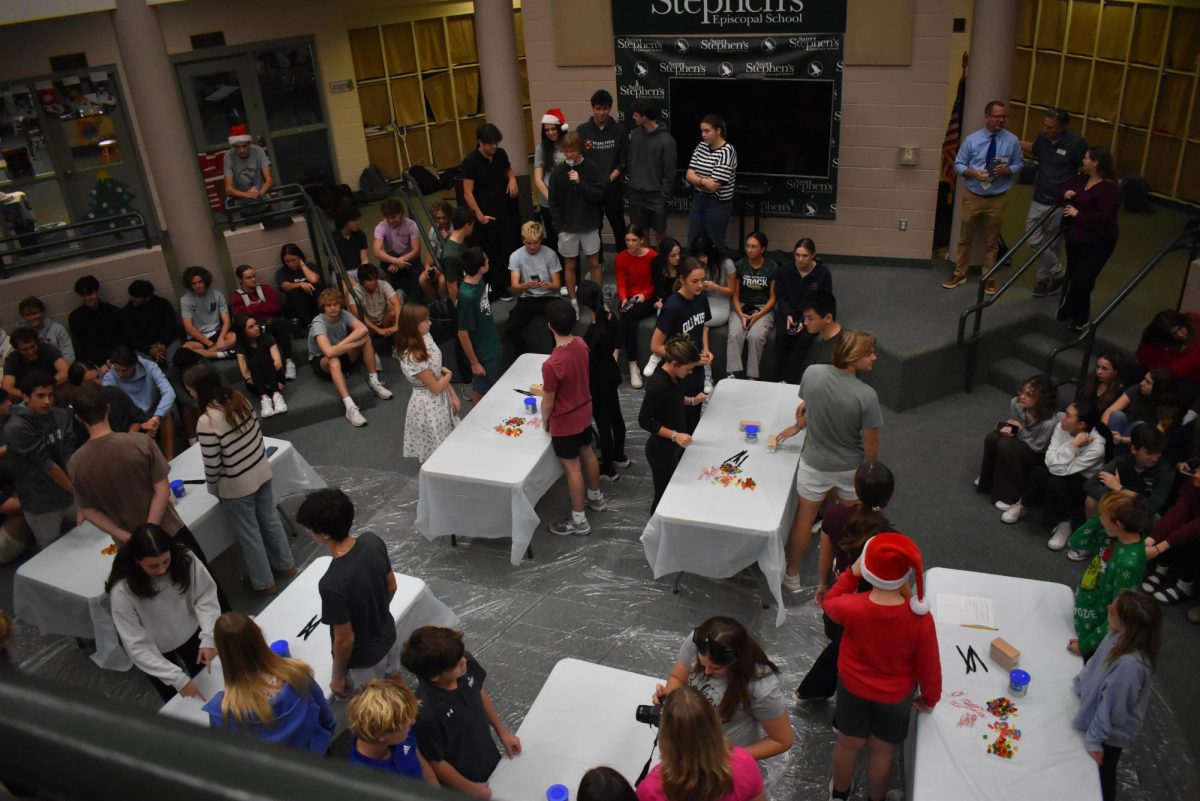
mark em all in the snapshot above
pixel 355 416
pixel 1002 506
pixel 1059 536
pixel 1155 579
pixel 652 365
pixel 289 371
pixel 381 392
pixel 1015 513
pixel 280 405
pixel 792 583
pixel 568 527
pixel 622 462
pixel 1076 555
pixel 635 376
pixel 610 476
pixel 598 504
pixel 266 410
pixel 840 796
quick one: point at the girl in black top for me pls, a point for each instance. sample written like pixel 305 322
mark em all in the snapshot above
pixel 662 412
pixel 260 363
pixel 603 336
pixel 844 532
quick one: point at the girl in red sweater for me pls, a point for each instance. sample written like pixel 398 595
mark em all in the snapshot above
pixel 635 290
pixel 889 645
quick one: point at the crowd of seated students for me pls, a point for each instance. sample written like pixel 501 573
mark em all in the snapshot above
pixel 1131 429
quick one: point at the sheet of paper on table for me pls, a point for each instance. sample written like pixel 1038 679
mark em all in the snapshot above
pixel 965 610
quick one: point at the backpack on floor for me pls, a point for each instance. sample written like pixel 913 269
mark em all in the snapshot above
pixel 426 181
pixel 373 184
pixel 1136 191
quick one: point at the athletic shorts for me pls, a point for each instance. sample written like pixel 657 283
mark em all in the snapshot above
pixel 858 717
pixel 315 362
pixel 491 374
pixel 814 485
pixel 569 447
pixel 385 668
pixel 570 244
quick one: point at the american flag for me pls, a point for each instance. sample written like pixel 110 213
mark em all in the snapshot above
pixel 953 133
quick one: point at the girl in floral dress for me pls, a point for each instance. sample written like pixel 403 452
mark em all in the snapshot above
pixel 433 406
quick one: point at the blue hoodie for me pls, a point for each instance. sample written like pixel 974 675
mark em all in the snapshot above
pixel 1112 697
pixel 303 722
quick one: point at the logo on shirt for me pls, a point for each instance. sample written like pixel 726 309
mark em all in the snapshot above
pixel 751 281
pixel 696 319
pixel 470 681
pixel 406 747
pixel 450 713
pixel 485 305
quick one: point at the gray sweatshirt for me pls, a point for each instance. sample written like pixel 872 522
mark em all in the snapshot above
pixel 1112 697
pixel 151 626
pixel 652 161
pixel 1035 435
pixel 35 444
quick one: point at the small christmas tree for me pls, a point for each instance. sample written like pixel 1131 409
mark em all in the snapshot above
pixel 109 198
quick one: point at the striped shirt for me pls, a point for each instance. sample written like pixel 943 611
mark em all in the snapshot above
pixel 720 164
pixel 235 462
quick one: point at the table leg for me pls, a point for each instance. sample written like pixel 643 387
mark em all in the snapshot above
pixel 529 551
pixel 675 585
pixel 453 541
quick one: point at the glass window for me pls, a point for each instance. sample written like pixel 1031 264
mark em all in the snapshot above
pixel 23 151
pixel 288 82
pixel 302 156
pixel 221 104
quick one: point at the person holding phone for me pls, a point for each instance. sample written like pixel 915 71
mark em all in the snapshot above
pixel 635 290
pixel 534 277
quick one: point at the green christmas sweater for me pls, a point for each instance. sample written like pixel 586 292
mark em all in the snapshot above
pixel 1117 566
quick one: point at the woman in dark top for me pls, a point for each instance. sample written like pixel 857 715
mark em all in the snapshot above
pixel 662 412
pixel 1090 219
pixel 792 286
pixel 664 271
pixel 1107 381
pixel 844 532
pixel 603 336
pixel 300 284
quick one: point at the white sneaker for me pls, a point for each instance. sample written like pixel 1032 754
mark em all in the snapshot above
pixel 1013 513
pixel 635 376
pixel 280 406
pixel 792 583
pixel 597 504
pixel 652 365
pixel 381 392
pixel 355 416
pixel 289 371
pixel 1077 555
pixel 1059 536
pixel 568 527
pixel 266 410
pixel 1002 506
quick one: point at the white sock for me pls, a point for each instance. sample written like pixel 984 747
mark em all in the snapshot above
pixel 578 518
pixel 349 401
pixel 373 378
pixel 594 494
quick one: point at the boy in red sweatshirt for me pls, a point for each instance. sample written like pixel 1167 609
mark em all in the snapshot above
pixel 889 645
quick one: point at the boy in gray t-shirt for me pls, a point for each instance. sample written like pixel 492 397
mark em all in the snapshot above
pixel 205 316
pixel 337 341
pixel 534 276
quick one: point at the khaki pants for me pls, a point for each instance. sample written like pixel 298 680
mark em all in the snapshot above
pixel 983 212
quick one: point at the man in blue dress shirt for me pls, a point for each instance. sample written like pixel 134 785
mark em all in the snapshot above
pixel 987 161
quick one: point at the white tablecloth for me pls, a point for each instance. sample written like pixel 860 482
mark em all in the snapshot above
pixel 717 531
pixel 412 606
pixel 583 717
pixel 951 762
pixel 61 589
pixel 481 483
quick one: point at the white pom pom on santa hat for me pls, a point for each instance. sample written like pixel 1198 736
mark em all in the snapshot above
pixel 887 561
pixel 239 135
pixel 555 116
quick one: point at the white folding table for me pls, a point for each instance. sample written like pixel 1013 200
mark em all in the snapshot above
pixel 483 483
pixel 716 531
pixel 61 589
pixel 949 761
pixel 412 606
pixel 583 717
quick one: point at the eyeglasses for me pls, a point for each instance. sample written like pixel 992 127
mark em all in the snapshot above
pixel 717 652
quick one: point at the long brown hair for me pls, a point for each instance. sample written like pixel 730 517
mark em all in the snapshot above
pixel 1141 627
pixel 695 756
pixel 409 341
pixel 248 665
pixel 749 663
pixel 212 391
pixel 874 485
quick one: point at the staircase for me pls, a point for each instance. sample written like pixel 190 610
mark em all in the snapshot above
pixel 1030 352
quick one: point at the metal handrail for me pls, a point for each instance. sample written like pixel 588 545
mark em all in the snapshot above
pixel 983 302
pixel 1189 238
pixel 238 207
pixel 13 247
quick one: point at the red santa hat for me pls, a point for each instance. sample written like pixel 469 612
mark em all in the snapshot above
pixel 555 117
pixel 887 562
pixel 239 134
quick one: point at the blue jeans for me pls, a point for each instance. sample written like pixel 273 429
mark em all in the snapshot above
pixel 255 522
pixel 709 217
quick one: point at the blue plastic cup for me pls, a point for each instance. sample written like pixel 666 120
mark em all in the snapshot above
pixel 178 489
pixel 531 408
pixel 751 433
pixel 1018 682
pixel 558 792
pixel 282 648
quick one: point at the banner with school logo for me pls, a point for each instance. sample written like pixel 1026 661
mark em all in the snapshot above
pixel 779 94
pixel 725 17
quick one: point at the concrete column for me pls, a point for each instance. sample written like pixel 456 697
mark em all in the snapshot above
pixel 164 135
pixel 496 41
pixel 989 77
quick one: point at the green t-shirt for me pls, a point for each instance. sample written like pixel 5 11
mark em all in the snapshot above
pixel 1102 582
pixel 452 260
pixel 475 317
pixel 755 285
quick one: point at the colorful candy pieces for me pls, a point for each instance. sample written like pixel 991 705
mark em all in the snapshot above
pixel 728 475
pixel 1004 746
pixel 968 719
pixel 1002 707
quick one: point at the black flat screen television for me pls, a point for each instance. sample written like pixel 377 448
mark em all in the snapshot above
pixel 779 126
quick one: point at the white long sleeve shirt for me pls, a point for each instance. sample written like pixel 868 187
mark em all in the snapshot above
pixel 1064 458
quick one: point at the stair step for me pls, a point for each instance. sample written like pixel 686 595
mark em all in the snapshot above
pixel 1009 373
pixel 313 400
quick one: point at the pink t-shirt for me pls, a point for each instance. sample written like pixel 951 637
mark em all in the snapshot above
pixel 398 240
pixel 747 781
pixel 565 374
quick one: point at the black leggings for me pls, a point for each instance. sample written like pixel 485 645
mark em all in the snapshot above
pixel 281 329
pixel 791 350
pixel 184 657
pixel 1061 497
pixel 1085 260
pixel 630 318
pixel 264 378
pixel 299 305
pixel 1108 773
pixel 821 679
pixel 612 206
pixel 1005 466
pixel 610 426
pixel 663 456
